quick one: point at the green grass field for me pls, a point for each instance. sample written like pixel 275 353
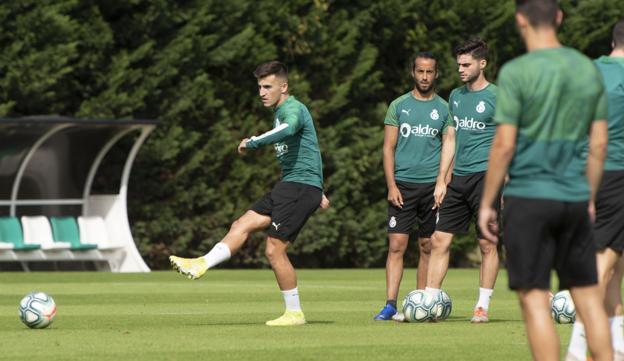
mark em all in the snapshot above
pixel 163 316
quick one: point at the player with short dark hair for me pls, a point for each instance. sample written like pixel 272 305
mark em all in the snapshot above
pixel 416 132
pixel 549 100
pixel 609 225
pixel 285 209
pixel 471 108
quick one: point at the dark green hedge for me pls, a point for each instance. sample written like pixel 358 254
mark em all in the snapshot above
pixel 189 64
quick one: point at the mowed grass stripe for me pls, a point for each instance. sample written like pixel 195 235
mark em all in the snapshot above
pixel 162 316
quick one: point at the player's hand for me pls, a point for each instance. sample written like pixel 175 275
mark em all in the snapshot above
pixel 324 202
pixel 394 197
pixel 438 194
pixel 591 209
pixel 242 146
pixel 488 223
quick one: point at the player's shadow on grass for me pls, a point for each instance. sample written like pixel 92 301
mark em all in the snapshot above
pixel 467 319
pixel 252 323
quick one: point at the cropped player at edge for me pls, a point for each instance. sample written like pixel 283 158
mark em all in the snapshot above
pixel 609 225
pixel 292 201
pixel 548 101
pixel 416 124
pixel 472 109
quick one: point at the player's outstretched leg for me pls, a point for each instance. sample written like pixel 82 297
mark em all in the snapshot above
pixel 287 282
pixel 194 268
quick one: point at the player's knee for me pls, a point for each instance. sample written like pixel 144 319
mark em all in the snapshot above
pixel 424 246
pixel 274 251
pixel 396 248
pixel 440 244
pixel 487 247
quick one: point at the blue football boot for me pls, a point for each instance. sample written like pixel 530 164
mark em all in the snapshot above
pixel 386 313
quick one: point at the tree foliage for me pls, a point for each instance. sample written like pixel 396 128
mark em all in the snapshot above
pixel 189 63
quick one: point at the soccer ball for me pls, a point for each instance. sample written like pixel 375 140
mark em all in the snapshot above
pixel 562 307
pixel 419 306
pixel 37 310
pixel 444 306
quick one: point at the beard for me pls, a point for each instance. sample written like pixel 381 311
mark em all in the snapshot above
pixel 423 89
pixel 471 77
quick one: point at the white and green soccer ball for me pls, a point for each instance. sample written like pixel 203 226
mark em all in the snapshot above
pixel 444 306
pixel 37 310
pixel 419 306
pixel 562 307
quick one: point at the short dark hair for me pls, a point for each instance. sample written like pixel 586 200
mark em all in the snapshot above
pixel 539 12
pixel 475 47
pixel 618 34
pixel 270 68
pixel 423 55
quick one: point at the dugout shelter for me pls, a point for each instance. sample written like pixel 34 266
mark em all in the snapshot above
pixel 63 192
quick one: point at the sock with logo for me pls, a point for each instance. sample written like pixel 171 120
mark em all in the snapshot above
pixel 617 332
pixel 434 292
pixel 485 294
pixel 392 303
pixel 291 299
pixel 219 253
pixel 578 342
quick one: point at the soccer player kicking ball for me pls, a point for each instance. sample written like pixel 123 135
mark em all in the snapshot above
pixel 472 108
pixel 549 100
pixel 292 201
pixel 609 204
pixel 416 124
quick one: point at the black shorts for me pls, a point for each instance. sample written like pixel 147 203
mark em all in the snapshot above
pixel 461 204
pixel 417 203
pixel 542 234
pixel 289 204
pixel 609 226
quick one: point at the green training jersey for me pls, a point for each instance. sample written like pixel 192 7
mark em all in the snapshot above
pixel 472 113
pixel 421 124
pixel 612 69
pixel 552 96
pixel 295 142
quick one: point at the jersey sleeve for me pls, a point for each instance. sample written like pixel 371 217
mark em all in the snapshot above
pixel 290 124
pixel 508 98
pixel 601 112
pixel 392 117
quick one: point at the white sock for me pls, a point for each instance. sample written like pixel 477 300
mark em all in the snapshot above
pixel 617 332
pixel 484 298
pixel 291 299
pixel 434 292
pixel 578 342
pixel 219 253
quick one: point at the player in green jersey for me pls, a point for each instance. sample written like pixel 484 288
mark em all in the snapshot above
pixel 415 130
pixel 292 201
pixel 548 101
pixel 609 227
pixel 472 110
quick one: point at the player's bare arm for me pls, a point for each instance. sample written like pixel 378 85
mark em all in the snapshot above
pixel 391 135
pixel 595 161
pixel 446 160
pixel 501 153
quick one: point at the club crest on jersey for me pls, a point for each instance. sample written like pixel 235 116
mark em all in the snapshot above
pixel 392 222
pixel 481 107
pixel 280 149
pixel 434 114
